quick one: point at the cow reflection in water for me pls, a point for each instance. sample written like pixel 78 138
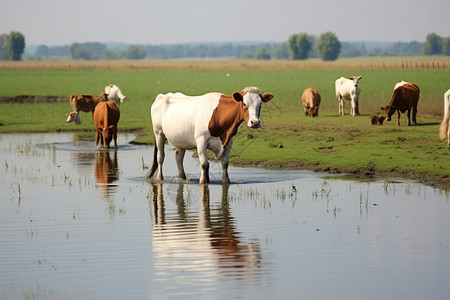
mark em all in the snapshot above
pixel 205 241
pixel 106 171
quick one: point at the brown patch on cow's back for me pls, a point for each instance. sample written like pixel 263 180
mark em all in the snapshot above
pixel 226 118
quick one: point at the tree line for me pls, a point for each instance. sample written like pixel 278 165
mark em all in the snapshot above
pixel 298 47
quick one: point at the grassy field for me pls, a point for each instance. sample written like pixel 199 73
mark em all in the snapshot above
pixel 288 138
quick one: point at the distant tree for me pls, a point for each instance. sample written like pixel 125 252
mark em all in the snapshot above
pixel 281 51
pixel 42 50
pixel 299 46
pixel 446 46
pixel 110 54
pixel 247 55
pixel 3 53
pixel 328 46
pixel 263 53
pixel 80 52
pixel 433 45
pixel 15 45
pixel 135 52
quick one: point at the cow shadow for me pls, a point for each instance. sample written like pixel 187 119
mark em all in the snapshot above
pixel 106 172
pixel 427 124
pixel 202 236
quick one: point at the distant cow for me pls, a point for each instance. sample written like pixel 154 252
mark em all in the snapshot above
pixel 114 93
pixel 348 89
pixel 203 122
pixel 106 116
pixel 444 131
pixel 405 98
pixel 311 102
pixel 377 120
pixel 84 103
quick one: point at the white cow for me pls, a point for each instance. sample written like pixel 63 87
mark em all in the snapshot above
pixel 348 89
pixel 444 131
pixel 202 122
pixel 114 93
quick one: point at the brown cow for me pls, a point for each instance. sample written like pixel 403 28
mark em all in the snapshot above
pixel 84 103
pixel 405 98
pixel 311 102
pixel 106 116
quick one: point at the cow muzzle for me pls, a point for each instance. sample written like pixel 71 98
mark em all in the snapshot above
pixel 254 124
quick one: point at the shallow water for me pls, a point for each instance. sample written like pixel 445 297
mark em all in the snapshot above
pixel 82 223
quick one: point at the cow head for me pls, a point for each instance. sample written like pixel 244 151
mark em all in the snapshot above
pixel 389 110
pixel 314 111
pixel 103 96
pixel 355 79
pixel 73 117
pixel 252 100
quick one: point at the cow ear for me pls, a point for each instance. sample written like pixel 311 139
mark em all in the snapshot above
pixel 267 97
pixel 383 108
pixel 351 78
pixel 238 97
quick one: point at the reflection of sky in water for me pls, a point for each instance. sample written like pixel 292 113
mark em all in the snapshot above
pixel 81 222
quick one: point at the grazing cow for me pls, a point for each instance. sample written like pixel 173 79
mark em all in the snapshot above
pixel 84 103
pixel 444 131
pixel 377 120
pixel 311 102
pixel 106 116
pixel 405 98
pixel 203 122
pixel 348 89
pixel 114 93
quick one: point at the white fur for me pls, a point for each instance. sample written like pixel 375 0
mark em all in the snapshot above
pixel 348 89
pixel 444 130
pixel 399 84
pixel 73 117
pixel 114 93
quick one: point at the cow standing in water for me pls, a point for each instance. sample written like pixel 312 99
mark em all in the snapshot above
pixel 202 122
pixel 106 116
pixel 405 98
pixel 84 103
pixel 311 101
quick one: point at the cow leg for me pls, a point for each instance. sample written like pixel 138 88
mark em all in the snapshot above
pixel 201 149
pixel 98 136
pixel 409 117
pixel 414 113
pixel 179 156
pixel 224 161
pixel 353 109
pixel 341 106
pixel 356 107
pixel 160 141
pixel 115 136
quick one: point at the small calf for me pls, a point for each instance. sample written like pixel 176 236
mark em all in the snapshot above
pixel 377 120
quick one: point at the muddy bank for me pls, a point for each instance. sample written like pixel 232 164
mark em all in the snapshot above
pixel 365 172
pixel 33 99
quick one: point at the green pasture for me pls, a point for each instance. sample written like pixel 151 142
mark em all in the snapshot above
pixel 287 138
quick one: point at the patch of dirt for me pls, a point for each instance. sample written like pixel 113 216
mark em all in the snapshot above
pixel 33 99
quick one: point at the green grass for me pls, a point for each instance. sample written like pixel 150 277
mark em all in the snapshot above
pixel 287 137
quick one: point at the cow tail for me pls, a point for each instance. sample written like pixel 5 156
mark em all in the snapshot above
pixel 444 126
pixel 155 163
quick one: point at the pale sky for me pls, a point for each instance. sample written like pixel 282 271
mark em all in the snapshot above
pixel 63 22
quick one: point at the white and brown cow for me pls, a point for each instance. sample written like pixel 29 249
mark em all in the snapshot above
pixel 84 103
pixel 444 130
pixel 311 101
pixel 202 122
pixel 404 98
pixel 348 89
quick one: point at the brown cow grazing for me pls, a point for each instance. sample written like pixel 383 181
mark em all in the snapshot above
pixel 84 103
pixel 405 98
pixel 311 102
pixel 106 116
pixel 377 120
